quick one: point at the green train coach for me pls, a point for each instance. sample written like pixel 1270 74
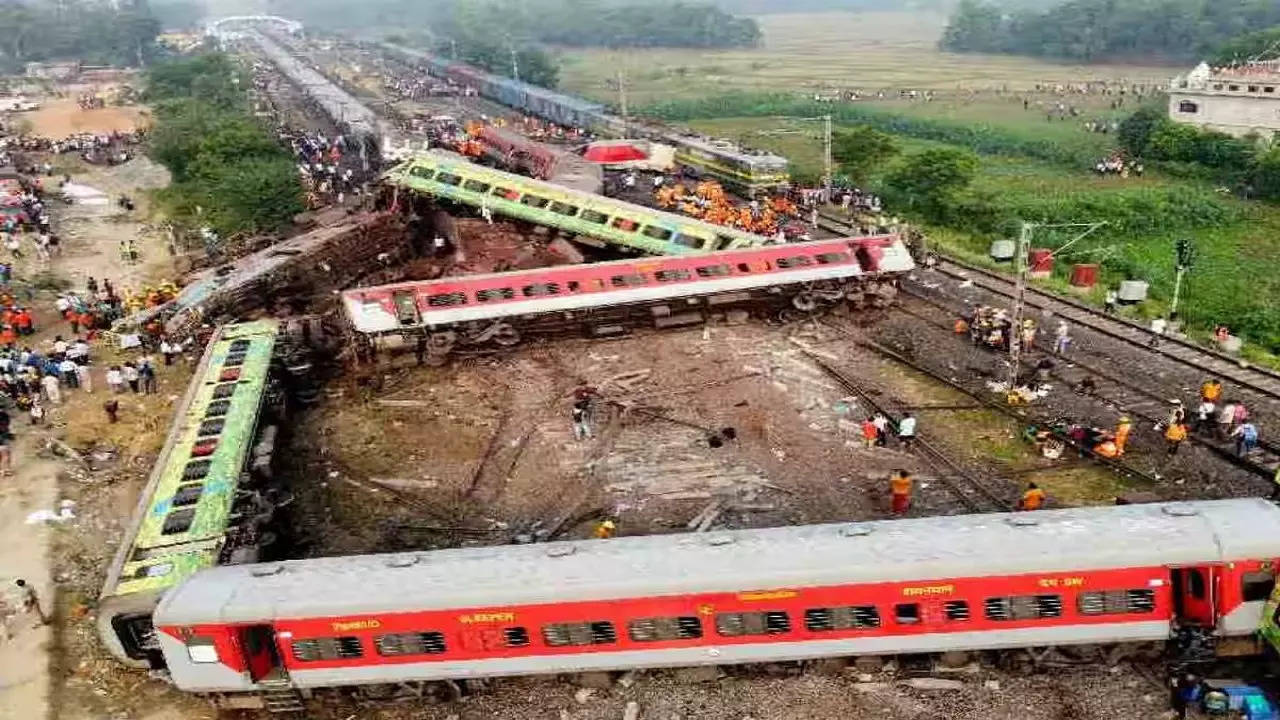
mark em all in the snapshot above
pixel 593 219
pixel 197 509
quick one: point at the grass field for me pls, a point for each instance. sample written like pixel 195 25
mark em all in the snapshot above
pixel 1231 282
pixel 813 52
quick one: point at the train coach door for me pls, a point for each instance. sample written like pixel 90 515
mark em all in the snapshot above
pixel 262 658
pixel 1195 595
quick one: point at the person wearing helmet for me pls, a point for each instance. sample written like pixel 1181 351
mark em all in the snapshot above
pixel 605 529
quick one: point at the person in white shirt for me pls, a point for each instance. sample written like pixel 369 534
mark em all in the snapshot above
pixel 52 389
pixel 131 376
pixel 115 379
pixel 907 430
pixel 85 377
pixel 1158 326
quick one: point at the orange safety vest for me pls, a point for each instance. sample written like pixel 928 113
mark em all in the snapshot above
pixel 1032 499
pixel 900 485
pixel 1176 432
pixel 869 430
pixel 1211 391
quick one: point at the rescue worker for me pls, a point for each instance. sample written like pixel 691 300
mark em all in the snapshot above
pixel 900 492
pixel 605 529
pixel 869 432
pixel 1032 498
pixel 1174 435
pixel 1123 428
pixel 1211 390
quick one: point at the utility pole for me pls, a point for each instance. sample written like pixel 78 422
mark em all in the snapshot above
pixel 453 49
pixel 829 178
pixel 622 100
pixel 1184 257
pixel 1020 290
pixel 515 67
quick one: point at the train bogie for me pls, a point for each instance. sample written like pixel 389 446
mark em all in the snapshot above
pixel 1090 576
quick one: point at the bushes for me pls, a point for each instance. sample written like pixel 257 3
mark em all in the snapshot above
pixel 228 171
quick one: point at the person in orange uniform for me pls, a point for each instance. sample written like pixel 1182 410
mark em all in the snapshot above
pixel 1123 428
pixel 1174 435
pixel 605 529
pixel 1211 390
pixel 1032 498
pixel 24 323
pixel 900 492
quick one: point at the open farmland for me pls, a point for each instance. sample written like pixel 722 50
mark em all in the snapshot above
pixel 824 51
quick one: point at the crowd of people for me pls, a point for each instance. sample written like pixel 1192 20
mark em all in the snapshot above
pixel 1117 164
pixel 328 175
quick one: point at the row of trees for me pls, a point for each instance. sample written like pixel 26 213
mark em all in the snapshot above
pixel 1245 162
pixel 101 33
pixel 1091 30
pixel 229 172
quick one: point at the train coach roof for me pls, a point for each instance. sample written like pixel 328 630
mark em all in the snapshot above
pixel 1072 540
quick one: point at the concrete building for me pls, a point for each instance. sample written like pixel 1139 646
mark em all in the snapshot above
pixel 1237 100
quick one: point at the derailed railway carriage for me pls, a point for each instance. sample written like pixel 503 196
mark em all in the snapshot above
pixel 1059 577
pixel 611 298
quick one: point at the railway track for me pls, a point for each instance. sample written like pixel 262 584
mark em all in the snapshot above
pixel 1132 399
pixel 1262 381
pixel 970 490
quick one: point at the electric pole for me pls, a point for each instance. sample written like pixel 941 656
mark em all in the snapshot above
pixel 515 67
pixel 622 99
pixel 829 177
pixel 1020 270
pixel 1184 254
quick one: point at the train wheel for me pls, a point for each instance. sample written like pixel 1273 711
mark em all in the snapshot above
pixel 505 335
pixel 804 302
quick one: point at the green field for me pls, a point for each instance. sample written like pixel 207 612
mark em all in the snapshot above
pixel 1233 281
pixel 817 52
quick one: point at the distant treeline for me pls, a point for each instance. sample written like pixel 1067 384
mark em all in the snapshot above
pixel 767 7
pixel 1092 30
pixel 98 33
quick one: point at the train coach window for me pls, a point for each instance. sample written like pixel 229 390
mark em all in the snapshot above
pixel 217 408
pixel 655 232
pixel 906 613
pixel 794 261
pixel 196 470
pixel 592 216
pixel 584 633
pixel 331 648
pixel 534 201
pixel 178 521
pixel 413 643
pixel 449 178
pixel 188 494
pixel 769 622
pixel 507 193
pixel 495 294
pixel 564 209
pixel 758 266
pixel 419 171
pixel 689 241
pixel 210 427
pixel 830 258
pixel 447 299
pixel 842 618
pixel 539 289
pixel 1116 601
pixel 627 280
pixel 956 610
pixel 476 186
pixel 515 637
pixel 724 242
pixel 1195 581
pixel 1023 607
pixel 673 275
pixel 624 224
pixel 714 271
pixel 240 345
pixel 665 628
pixel 224 391
pixel 1257 586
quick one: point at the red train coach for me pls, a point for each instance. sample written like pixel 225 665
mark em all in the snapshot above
pixel 1083 575
pixel 610 297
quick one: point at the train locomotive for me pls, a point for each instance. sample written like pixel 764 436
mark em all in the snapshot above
pixel 749 172
pixel 1098 575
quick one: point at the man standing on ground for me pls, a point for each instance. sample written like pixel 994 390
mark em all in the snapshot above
pixel 1032 498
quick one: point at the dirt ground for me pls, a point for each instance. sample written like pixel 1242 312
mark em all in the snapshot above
pixel 60 118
